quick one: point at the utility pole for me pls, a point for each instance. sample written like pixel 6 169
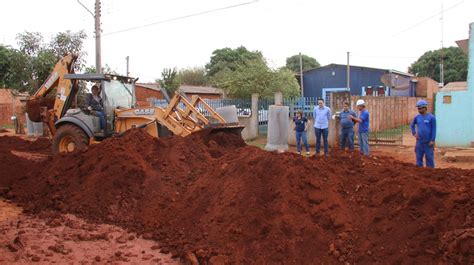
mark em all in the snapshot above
pixel 127 59
pixel 301 74
pixel 98 55
pixel 348 72
pixel 96 16
pixel 441 65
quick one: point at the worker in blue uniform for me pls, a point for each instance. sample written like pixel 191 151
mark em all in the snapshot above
pixel 423 127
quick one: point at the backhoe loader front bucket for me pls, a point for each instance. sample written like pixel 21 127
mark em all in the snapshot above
pixel 227 128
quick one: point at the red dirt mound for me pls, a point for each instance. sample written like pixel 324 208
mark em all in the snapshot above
pixel 13 167
pixel 41 145
pixel 212 197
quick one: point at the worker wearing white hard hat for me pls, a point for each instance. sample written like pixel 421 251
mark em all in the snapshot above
pixel 363 121
pixel 360 102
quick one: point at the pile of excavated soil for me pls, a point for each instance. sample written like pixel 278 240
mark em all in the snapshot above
pixel 211 198
pixel 11 166
pixel 40 145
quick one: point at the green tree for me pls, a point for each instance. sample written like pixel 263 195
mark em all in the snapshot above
pixel 256 77
pixel 193 76
pixel 13 68
pixel 230 59
pixel 67 42
pixel 30 65
pixel 30 43
pixel 455 65
pixel 293 63
pixel 5 65
pixel 169 80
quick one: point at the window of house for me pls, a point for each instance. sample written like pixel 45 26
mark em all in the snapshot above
pixel 446 99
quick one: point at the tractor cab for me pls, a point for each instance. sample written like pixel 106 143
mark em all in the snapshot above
pixel 77 127
pixel 117 92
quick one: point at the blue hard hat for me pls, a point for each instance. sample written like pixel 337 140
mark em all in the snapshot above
pixel 421 103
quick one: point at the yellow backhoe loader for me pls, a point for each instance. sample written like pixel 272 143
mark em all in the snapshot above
pixel 74 128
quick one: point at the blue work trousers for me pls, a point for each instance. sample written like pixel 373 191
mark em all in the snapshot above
pixel 423 149
pixel 101 116
pixel 347 137
pixel 364 143
pixel 301 136
pixel 324 133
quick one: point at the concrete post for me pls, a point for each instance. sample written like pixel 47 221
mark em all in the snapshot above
pixel 333 132
pixel 254 117
pixel 278 98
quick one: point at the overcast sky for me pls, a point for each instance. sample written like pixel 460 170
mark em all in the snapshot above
pixel 378 33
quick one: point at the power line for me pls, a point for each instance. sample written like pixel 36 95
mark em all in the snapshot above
pixel 384 56
pixel 426 19
pixel 181 17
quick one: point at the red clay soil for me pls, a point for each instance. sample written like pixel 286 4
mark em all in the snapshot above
pixel 12 166
pixel 65 239
pixel 212 198
pixel 41 145
pixel 3 130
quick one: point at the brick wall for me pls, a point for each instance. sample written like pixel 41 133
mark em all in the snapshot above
pixel 426 87
pixel 9 105
pixel 144 94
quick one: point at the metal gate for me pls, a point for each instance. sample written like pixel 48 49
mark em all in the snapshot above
pixel 388 119
pixel 263 105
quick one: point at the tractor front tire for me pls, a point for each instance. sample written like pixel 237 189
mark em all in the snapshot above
pixel 69 138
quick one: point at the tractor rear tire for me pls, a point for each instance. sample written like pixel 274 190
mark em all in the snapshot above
pixel 69 138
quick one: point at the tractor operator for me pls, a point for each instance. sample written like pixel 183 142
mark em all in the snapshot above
pixel 94 103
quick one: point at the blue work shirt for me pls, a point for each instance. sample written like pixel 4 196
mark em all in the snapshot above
pixel 321 117
pixel 425 127
pixel 345 121
pixel 300 123
pixel 364 124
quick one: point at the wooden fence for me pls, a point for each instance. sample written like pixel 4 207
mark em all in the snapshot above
pixel 390 112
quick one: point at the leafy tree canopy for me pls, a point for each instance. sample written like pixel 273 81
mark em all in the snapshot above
pixel 169 80
pixel 293 63
pixel 455 65
pixel 256 77
pixel 27 67
pixel 195 76
pixel 230 59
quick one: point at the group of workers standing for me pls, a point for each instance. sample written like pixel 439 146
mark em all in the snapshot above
pixel 423 127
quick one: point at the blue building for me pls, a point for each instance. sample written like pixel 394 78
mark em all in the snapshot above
pixel 455 109
pixel 364 81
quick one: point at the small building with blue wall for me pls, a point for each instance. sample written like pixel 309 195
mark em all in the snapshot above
pixel 320 82
pixel 455 109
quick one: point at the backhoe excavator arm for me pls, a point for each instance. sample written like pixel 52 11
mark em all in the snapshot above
pixel 39 107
